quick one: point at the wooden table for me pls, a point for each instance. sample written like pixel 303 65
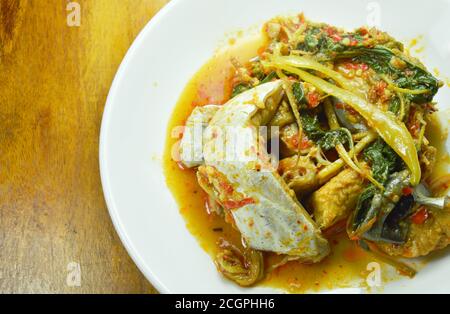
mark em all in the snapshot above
pixel 55 232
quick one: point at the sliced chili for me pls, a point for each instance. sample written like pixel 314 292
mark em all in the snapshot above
pixel 420 216
pixel 232 204
pixel 407 191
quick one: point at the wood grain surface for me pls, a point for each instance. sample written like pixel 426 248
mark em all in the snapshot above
pixel 54 79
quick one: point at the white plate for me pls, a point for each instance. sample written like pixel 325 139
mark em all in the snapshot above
pixel 167 53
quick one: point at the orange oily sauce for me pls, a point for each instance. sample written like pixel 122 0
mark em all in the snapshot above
pixel 347 264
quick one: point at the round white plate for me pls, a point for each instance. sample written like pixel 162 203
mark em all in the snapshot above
pixel 163 58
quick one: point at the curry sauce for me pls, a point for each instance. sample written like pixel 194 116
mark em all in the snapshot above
pixel 346 266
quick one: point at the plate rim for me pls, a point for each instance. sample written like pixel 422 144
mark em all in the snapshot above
pixel 103 138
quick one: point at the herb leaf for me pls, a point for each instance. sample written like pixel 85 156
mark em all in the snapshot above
pixel 269 77
pixel 394 105
pixel 299 93
pixel 383 160
pixel 411 76
pixel 242 87
pixel 332 138
pixel 325 139
pixel 239 88
pixel 364 212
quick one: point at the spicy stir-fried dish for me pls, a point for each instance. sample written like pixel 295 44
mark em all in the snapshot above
pixel 323 131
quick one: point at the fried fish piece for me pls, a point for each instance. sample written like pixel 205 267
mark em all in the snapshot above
pixel 261 205
pixel 336 199
pixel 423 238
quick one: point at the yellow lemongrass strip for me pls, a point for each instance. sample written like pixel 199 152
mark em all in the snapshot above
pixel 310 64
pixel 243 72
pixel 294 107
pixel 345 156
pixel 422 133
pixel 395 88
pixel 301 52
pixel 358 136
pixel 324 97
pixel 393 132
pixel 334 124
pixel 333 169
pixel 402 106
pixel 331 116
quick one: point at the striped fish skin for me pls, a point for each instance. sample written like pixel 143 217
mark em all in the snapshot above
pixel 261 205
